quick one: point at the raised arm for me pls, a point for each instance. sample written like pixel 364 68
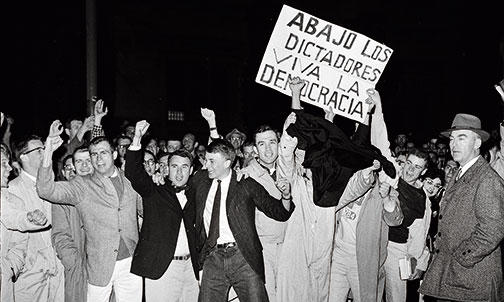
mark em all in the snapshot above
pixel 62 192
pixel 209 116
pixel 358 185
pixel 379 135
pixel 296 85
pixel 134 170
pixel 87 125
pixel 99 114
pixel 287 147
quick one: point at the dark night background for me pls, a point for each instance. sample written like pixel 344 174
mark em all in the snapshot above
pixel 155 56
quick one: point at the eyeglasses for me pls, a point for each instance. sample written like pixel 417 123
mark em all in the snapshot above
pixel 123 146
pixel 39 149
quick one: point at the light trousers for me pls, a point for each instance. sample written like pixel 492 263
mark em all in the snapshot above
pixel 395 287
pixel 178 284
pixel 271 252
pixel 344 276
pixel 127 286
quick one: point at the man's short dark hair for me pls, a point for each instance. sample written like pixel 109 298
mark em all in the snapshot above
pixel 81 149
pixel 122 137
pixel 264 128
pixel 190 134
pixel 181 153
pixel 420 154
pixel 434 173
pixel 145 151
pixel 22 145
pixel 95 141
pixel 223 147
pixel 248 144
pixel 69 156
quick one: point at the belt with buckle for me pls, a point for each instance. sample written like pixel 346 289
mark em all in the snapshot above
pixel 226 245
pixel 181 257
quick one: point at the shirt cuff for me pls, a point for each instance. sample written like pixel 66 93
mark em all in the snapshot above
pixel 134 148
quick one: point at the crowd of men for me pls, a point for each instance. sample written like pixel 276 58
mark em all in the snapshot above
pixel 306 213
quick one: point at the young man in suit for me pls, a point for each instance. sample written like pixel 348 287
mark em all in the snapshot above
pixel 166 254
pixel 467 261
pixel 231 253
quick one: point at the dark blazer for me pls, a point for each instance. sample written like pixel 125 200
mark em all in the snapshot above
pixel 467 262
pixel 242 200
pixel 161 222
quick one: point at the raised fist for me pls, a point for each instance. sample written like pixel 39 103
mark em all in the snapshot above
pixel 296 85
pixel 141 128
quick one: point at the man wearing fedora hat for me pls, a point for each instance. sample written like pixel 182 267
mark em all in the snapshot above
pixel 467 260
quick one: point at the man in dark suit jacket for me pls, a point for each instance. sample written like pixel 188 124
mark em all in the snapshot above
pixel 467 261
pixel 231 253
pixel 166 253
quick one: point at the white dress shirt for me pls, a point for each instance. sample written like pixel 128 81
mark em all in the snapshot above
pixel 182 248
pixel 467 166
pixel 225 234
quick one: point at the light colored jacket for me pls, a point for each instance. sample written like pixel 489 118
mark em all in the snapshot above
pixel 106 218
pixel 269 230
pixel 303 266
pixel 13 248
pixel 42 276
pixel 371 233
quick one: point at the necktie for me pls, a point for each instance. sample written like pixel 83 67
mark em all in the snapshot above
pixel 459 173
pixel 213 230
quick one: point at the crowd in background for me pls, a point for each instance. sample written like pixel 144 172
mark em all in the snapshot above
pixel 315 215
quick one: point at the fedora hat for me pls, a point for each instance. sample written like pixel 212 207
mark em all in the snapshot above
pixel 236 132
pixel 463 121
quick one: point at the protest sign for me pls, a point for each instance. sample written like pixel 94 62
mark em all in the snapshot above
pixel 337 63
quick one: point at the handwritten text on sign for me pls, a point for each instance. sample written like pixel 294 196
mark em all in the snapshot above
pixel 338 64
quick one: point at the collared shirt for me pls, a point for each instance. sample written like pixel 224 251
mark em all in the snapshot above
pixel 467 166
pixel 271 172
pixel 182 248
pixel 225 234
pixel 29 176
